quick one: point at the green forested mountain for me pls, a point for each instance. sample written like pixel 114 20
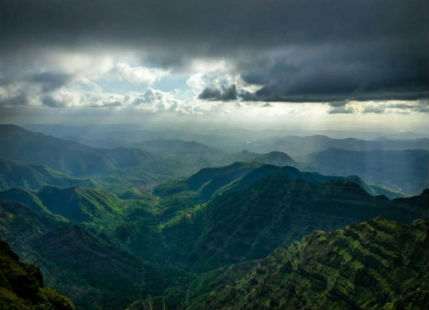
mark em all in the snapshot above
pixel 180 242
pixel 214 155
pixel 277 210
pixel 80 204
pixel 17 174
pixel 22 287
pixel 79 261
pixel 373 265
pixel 94 272
pixel 404 170
pixel 207 180
pixel 169 244
pixel 73 203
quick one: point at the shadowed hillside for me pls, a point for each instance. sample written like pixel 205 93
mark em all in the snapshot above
pixel 21 285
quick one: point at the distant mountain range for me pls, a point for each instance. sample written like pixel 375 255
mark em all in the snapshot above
pixel 70 157
pixel 399 166
pixel 406 171
pixel 298 146
pixel 87 215
pixel 233 140
pixel 151 160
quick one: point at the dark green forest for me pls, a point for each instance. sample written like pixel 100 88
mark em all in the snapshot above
pixel 178 225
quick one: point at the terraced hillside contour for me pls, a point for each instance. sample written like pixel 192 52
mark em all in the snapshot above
pixel 373 265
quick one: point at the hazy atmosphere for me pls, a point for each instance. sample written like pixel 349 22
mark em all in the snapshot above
pixel 218 155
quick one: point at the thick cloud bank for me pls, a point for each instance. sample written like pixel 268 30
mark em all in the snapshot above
pixel 331 51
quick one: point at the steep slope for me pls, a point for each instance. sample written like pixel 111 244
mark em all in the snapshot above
pixel 80 204
pixel 185 193
pixel 17 174
pixel 79 262
pixel 206 181
pixel 250 222
pixel 21 285
pixel 74 203
pixel 26 197
pixel 93 271
pixel 373 265
pixel 138 230
pixel 19 224
pixel 406 171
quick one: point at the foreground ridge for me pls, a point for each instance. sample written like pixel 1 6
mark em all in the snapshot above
pixel 377 264
pixel 21 285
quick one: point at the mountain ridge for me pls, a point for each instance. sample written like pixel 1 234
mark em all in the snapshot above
pixel 362 266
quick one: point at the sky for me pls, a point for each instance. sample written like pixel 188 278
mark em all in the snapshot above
pixel 334 64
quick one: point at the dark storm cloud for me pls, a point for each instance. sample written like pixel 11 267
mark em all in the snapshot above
pixel 50 81
pixel 49 101
pixel 19 100
pixel 224 94
pixel 295 50
pixel 381 71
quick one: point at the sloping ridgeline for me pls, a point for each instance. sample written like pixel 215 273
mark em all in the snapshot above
pixel 74 158
pixel 17 174
pixel 21 285
pixel 83 238
pixel 269 208
pixel 373 265
pixel 69 241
